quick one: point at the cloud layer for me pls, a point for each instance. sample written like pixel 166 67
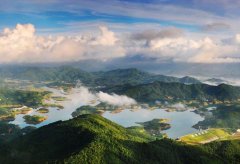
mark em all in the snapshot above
pixel 23 45
pixel 114 99
pixel 111 99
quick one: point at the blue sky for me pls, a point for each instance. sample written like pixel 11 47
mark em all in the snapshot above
pixel 186 14
pixel 127 32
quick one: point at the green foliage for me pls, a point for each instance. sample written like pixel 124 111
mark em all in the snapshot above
pixel 35 119
pixel 227 151
pixel 66 74
pixel 22 97
pixel 155 124
pixel 176 91
pixel 9 132
pixel 87 109
pixel 4 111
pixel 43 110
pixel 223 117
pixel 94 139
pixel 63 73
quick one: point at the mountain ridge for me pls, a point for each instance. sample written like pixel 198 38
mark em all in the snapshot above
pixel 161 90
pixel 72 74
pixel 94 139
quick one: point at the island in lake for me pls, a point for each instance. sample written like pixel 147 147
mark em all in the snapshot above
pixel 35 119
pixel 43 110
pixel 155 126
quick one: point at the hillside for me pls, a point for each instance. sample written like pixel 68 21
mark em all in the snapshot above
pixel 71 75
pixel 93 139
pixel 177 91
pixel 134 76
pixel 63 73
pixel 224 116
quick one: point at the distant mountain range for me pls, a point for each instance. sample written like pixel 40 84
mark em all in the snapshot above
pixel 160 90
pixel 71 74
pixel 94 139
pixel 140 85
pixel 215 81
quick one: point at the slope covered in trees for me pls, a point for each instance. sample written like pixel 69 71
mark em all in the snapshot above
pixel 71 75
pixel 93 139
pixel 161 90
pixel 225 116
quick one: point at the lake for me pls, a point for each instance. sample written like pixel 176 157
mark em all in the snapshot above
pixel 181 121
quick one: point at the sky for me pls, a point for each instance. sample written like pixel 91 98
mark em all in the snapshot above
pixel 124 33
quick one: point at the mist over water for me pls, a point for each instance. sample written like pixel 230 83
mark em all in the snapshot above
pixel 181 122
pixel 76 98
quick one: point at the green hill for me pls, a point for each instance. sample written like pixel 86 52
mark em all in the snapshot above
pixel 134 76
pixel 176 91
pixel 94 139
pixel 225 116
pixel 71 75
pixel 63 73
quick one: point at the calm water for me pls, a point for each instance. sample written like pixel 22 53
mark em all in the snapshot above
pixel 74 100
pixel 181 122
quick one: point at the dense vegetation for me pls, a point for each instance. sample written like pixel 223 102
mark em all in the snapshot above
pixel 98 109
pixel 223 117
pixel 35 119
pixel 86 109
pixel 93 139
pixel 22 97
pixel 9 132
pixel 134 76
pixel 64 73
pixel 69 74
pixel 177 91
pixel 156 125
pixel 16 98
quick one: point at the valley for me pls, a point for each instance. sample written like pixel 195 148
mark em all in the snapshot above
pixel 119 82
pixel 188 113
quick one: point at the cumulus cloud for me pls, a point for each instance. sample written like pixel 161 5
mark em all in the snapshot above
pixel 184 49
pixel 107 38
pixel 22 45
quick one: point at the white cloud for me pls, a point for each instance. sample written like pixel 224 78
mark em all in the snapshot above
pixel 111 99
pixel 237 38
pixel 107 38
pixel 21 44
pixel 179 106
pixel 204 50
pixel 114 99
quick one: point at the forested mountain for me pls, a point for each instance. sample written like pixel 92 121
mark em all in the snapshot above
pixel 161 90
pixel 63 73
pixel 71 74
pixel 94 139
pixel 135 76
pixel 225 116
